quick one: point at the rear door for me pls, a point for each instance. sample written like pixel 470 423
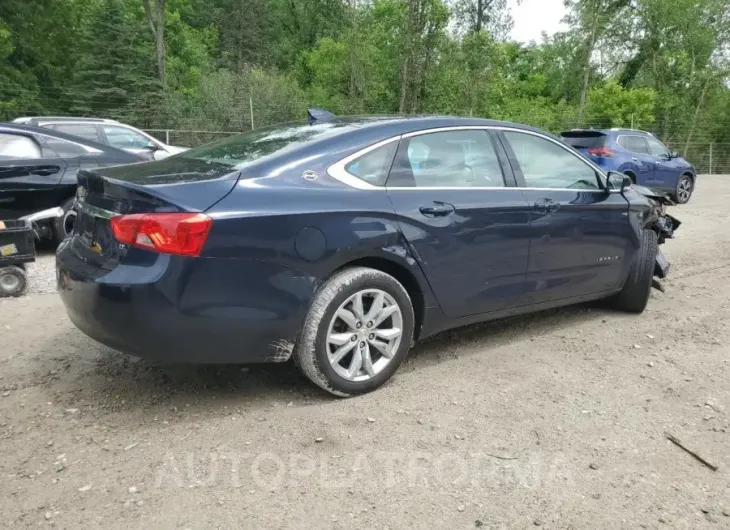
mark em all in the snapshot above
pixel 641 163
pixel 463 217
pixel 579 233
pixel 29 175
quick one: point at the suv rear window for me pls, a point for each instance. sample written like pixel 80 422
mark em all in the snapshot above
pixel 583 139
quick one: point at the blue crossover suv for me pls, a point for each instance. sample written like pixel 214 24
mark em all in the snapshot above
pixel 639 155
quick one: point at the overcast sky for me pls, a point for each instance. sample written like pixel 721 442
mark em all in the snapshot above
pixel 532 17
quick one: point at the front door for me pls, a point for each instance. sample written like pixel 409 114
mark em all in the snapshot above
pixel 579 232
pixel 667 173
pixel 463 218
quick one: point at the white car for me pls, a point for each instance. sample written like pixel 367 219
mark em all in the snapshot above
pixel 109 132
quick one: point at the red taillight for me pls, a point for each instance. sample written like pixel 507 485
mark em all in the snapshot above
pixel 601 151
pixel 168 233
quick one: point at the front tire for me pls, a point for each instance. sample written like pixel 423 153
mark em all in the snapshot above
pixel 684 190
pixel 357 333
pixel 634 296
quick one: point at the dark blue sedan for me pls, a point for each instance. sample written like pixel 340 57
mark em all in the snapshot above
pixel 341 242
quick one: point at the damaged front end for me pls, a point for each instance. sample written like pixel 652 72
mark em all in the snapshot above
pixel 664 225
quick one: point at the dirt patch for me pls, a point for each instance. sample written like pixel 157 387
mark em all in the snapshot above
pixel 556 420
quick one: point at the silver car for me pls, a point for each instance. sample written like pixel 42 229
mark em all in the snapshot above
pixel 108 132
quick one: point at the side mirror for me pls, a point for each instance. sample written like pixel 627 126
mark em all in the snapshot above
pixel 673 154
pixel 151 146
pixel 617 182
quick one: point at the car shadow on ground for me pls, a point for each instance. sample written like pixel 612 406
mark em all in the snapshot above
pixel 112 376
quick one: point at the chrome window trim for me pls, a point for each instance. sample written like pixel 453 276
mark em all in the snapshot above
pixel 337 170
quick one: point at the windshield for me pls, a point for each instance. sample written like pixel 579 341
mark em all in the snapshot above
pixel 244 149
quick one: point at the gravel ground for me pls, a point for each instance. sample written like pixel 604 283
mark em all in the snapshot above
pixel 554 420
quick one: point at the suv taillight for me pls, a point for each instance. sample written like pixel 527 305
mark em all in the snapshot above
pixel 183 234
pixel 601 151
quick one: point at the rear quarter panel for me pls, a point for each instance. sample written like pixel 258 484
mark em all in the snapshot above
pixel 315 228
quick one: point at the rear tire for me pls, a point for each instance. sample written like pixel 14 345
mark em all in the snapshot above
pixel 12 281
pixel 684 189
pixel 360 352
pixel 63 226
pixel 634 296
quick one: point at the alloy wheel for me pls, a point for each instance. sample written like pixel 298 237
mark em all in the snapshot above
pixel 364 335
pixel 684 190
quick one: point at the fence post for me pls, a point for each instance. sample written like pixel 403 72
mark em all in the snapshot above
pixel 250 106
pixel 711 146
pixel 167 136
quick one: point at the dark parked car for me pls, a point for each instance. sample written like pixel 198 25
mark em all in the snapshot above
pixel 341 242
pixel 38 173
pixel 639 155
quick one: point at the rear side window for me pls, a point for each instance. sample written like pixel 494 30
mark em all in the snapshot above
pixel 373 167
pixel 63 148
pixel 88 131
pixel 635 144
pixel 584 139
pixel 458 159
pixel 18 146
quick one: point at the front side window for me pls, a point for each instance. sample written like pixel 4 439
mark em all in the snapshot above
pixel 123 138
pixel 635 144
pixel 461 159
pixel 545 164
pixel 656 148
pixel 18 146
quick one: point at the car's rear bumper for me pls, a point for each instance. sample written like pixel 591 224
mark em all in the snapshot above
pixel 186 310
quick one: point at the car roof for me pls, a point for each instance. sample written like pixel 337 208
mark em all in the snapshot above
pixel 18 127
pixel 44 119
pixel 609 131
pixel 408 124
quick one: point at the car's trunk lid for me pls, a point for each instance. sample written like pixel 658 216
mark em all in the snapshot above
pixel 171 185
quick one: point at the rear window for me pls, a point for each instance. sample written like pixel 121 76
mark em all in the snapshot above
pixel 244 149
pixel 584 139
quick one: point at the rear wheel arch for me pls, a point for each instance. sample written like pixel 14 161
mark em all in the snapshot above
pixel 403 275
pixel 629 173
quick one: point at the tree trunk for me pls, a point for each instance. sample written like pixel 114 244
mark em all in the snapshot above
pixel 694 120
pixel 156 19
pixel 587 74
